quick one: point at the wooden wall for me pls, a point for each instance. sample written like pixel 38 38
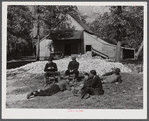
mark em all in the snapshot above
pixel 109 50
pixel 44 50
pixel 106 49
pixel 89 40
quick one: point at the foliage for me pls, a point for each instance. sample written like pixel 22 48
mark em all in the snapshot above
pixel 18 31
pixel 54 17
pixel 130 22
pixel 23 21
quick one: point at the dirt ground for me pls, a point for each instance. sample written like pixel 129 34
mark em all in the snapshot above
pixel 127 95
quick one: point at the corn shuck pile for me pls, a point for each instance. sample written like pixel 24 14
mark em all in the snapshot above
pixel 86 63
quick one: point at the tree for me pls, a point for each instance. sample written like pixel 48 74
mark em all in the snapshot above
pixel 123 25
pixel 139 51
pixel 23 22
pixel 18 31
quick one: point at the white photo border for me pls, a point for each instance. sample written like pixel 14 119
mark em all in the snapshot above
pixel 64 113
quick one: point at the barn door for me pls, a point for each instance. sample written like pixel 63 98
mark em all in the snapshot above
pixel 67 49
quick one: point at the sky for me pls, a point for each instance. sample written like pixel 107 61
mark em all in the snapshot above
pixel 92 11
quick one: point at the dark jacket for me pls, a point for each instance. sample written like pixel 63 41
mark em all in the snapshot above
pixel 53 65
pixel 73 65
pixel 88 83
pixel 94 83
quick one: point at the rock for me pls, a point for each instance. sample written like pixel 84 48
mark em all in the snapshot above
pixel 124 91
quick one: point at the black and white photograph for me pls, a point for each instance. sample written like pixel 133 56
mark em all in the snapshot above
pixel 74 60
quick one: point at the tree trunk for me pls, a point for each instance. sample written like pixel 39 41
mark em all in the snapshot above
pixel 119 37
pixel 38 53
pixel 139 51
pixel 118 52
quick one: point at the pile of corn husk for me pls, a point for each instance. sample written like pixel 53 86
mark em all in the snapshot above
pixel 88 55
pixel 86 62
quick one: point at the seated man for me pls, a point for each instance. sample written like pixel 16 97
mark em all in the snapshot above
pixel 112 77
pixel 73 68
pixel 92 86
pixel 53 88
pixel 51 69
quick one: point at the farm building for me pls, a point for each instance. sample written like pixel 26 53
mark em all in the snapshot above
pixel 80 42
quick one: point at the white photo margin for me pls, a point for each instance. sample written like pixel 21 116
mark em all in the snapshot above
pixel 64 113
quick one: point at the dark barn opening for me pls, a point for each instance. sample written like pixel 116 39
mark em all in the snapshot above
pixel 67 50
pixel 128 54
pixel 88 48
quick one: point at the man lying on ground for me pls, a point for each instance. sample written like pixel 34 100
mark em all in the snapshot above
pixel 53 88
pixel 112 77
pixel 51 69
pixel 92 86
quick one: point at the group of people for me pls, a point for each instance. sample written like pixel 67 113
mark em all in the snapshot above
pixel 51 68
pixel 92 84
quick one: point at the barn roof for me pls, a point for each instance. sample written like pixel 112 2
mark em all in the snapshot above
pixel 86 28
pixel 76 35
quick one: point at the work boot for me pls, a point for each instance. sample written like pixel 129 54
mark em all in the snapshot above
pixel 86 96
pixel 29 95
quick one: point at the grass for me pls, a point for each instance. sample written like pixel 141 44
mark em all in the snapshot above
pixel 114 97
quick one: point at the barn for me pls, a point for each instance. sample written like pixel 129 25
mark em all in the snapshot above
pixel 82 40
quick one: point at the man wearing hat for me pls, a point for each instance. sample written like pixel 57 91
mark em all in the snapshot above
pixel 73 68
pixel 50 69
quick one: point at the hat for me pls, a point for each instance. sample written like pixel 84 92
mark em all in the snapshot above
pixel 86 74
pixel 73 58
pixel 117 70
pixel 93 72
